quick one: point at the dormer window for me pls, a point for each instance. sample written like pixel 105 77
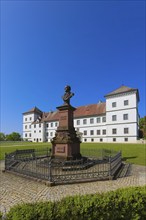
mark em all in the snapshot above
pixel 91 120
pixel 78 122
pixel 104 119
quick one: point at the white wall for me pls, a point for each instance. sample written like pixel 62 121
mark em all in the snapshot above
pixel 131 123
pixel 119 99
pixel 28 127
pixel 47 130
pixel 50 130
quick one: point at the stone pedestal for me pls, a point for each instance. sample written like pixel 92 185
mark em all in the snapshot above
pixel 66 144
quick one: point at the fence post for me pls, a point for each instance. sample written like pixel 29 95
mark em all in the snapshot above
pixel 50 175
pixel 110 167
pixel 5 161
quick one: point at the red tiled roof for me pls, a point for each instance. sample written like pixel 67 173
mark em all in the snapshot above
pixel 121 89
pixel 82 111
pixel 51 116
pixel 88 110
pixel 32 110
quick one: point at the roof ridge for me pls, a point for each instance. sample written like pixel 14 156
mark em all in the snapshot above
pixel 121 89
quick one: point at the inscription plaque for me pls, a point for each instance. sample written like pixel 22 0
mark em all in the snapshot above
pixel 60 149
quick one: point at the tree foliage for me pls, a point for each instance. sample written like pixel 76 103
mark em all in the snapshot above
pixel 142 123
pixel 14 136
pixel 142 126
pixel 2 136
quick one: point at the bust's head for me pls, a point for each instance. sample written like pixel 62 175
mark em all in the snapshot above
pixel 67 88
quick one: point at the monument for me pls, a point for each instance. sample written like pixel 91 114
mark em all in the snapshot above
pixel 66 144
pixel 64 163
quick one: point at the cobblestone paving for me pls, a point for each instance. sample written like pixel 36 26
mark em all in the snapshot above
pixel 15 189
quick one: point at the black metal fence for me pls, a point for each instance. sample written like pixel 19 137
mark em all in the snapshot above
pixel 39 164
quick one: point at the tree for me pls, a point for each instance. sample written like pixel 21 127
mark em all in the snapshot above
pixel 2 136
pixel 14 136
pixel 142 122
pixel 142 126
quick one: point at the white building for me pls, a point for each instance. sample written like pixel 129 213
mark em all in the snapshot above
pixel 115 120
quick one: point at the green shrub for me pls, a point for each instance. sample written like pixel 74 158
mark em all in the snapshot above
pixel 127 204
pixel 1 215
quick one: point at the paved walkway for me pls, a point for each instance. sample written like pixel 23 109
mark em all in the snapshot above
pixel 15 189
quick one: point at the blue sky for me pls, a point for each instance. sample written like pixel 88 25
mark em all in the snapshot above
pixel 94 46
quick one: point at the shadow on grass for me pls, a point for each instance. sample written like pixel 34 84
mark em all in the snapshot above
pixel 126 158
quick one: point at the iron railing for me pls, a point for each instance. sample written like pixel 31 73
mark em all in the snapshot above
pixel 39 164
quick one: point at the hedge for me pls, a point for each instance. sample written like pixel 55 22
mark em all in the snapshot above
pixel 127 204
pixel 1 215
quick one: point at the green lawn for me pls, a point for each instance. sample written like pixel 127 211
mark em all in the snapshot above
pixel 8 147
pixel 132 153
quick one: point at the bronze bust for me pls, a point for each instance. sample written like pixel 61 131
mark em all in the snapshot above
pixel 67 95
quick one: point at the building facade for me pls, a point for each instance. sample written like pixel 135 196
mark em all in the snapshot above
pixel 115 120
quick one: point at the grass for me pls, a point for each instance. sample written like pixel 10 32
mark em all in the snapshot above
pixel 8 147
pixel 132 153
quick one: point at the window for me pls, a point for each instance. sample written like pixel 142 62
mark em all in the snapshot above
pixel 126 102
pixel 56 124
pixel 39 131
pixel 34 126
pixel 25 119
pixel 51 124
pixel 98 120
pixel 98 132
pixel 30 135
pixel 91 120
pixel 84 121
pixel 101 139
pixel 85 140
pixel 25 126
pixel 78 122
pixel 104 119
pixel 30 118
pixel 47 125
pixel 85 132
pixel 29 126
pixel 47 134
pixel 126 130
pixel 125 139
pixel 25 135
pixel 51 133
pixel 114 139
pixel 114 131
pixel 92 132
pixel 114 118
pixel 34 131
pixel 39 125
pixel 92 139
pixel 125 117
pixel 103 131
pixel 114 104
